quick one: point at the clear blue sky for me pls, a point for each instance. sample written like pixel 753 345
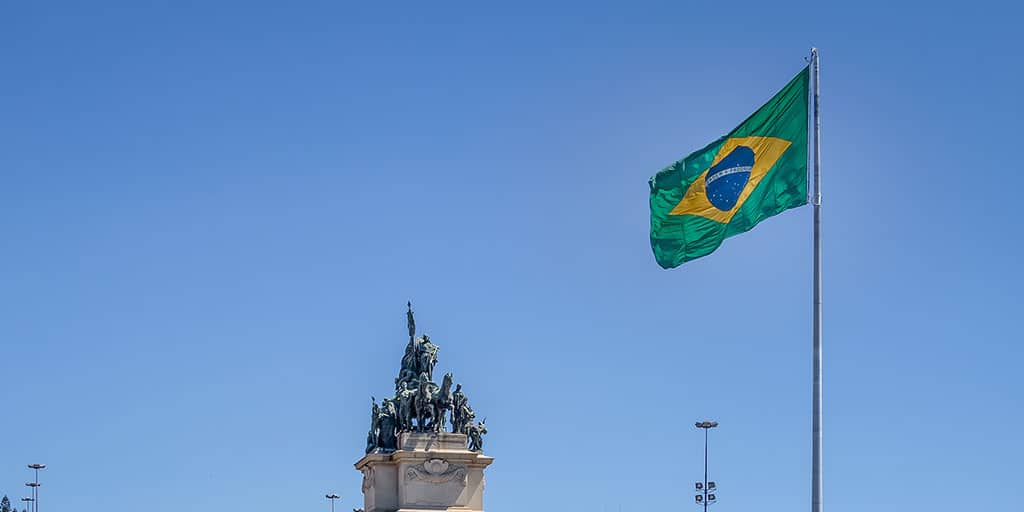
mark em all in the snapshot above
pixel 213 214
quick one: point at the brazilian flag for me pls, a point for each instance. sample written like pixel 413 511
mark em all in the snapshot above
pixel 758 170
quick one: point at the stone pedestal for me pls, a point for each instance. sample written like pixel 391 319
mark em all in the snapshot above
pixel 428 472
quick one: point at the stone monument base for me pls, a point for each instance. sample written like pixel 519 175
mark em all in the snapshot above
pixel 429 472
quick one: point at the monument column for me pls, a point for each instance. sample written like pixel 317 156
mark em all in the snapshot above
pixel 429 472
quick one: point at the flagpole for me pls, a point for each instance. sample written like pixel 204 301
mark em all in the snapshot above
pixel 816 407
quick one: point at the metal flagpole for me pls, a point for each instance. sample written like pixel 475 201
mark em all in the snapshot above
pixel 816 421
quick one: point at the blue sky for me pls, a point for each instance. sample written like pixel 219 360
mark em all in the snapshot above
pixel 213 214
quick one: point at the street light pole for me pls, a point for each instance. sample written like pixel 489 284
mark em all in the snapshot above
pixel 35 485
pixel 35 493
pixel 706 488
pixel 28 502
pixel 332 497
pixel 706 469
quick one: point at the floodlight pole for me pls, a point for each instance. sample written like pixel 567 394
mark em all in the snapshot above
pixel 706 469
pixel 706 425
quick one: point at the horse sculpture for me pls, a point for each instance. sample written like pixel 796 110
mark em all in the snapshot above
pixel 442 403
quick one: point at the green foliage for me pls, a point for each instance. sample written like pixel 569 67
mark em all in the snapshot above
pixel 5 506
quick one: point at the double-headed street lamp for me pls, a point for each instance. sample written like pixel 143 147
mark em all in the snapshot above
pixel 332 497
pixel 706 490
pixel 28 502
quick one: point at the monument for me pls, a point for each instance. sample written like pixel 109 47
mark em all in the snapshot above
pixel 413 463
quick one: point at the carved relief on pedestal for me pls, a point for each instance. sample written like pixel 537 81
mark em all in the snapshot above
pixel 437 471
pixel 367 478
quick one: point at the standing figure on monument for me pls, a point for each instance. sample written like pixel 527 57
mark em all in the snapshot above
pixel 466 417
pixel 405 396
pixel 425 403
pixel 387 423
pixel 426 354
pixel 458 402
pixel 371 437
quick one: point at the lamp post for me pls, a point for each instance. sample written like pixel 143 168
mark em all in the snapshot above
pixel 35 493
pixel 28 502
pixel 332 497
pixel 706 490
pixel 35 485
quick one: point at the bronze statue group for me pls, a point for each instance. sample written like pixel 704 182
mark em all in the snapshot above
pixel 420 405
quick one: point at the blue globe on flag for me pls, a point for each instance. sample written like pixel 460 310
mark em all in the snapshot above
pixel 726 179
